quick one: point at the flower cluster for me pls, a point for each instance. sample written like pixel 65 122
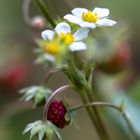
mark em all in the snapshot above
pixel 56 44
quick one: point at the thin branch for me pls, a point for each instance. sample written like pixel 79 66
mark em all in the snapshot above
pixel 50 74
pixel 104 104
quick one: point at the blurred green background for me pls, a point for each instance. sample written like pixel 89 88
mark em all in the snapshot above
pixel 16 54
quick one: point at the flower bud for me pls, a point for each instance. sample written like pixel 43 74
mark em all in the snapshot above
pixel 38 22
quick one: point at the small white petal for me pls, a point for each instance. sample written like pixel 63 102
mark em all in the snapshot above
pixel 79 11
pixel 88 25
pixel 47 35
pixel 62 28
pixel 77 46
pixel 106 22
pixel 81 34
pixel 49 57
pixel 73 19
pixel 101 12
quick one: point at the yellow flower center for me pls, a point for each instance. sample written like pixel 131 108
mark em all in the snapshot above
pixel 52 48
pixel 67 38
pixel 90 17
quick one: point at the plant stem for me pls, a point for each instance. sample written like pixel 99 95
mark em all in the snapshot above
pixel 93 118
pixel 81 84
pixel 50 74
pixel 45 12
pixel 98 117
pixel 104 104
pixel 130 126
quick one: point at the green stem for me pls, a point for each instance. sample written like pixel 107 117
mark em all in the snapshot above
pixel 49 75
pixel 93 118
pixel 98 117
pixel 130 126
pixel 44 10
pixel 104 104
pixel 81 84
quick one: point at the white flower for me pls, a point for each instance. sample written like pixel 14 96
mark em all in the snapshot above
pixel 73 41
pixel 62 37
pixel 90 19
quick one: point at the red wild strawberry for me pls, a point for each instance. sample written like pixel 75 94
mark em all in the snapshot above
pixel 56 113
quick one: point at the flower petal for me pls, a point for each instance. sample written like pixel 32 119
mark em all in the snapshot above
pixel 49 57
pixel 77 46
pixel 62 28
pixel 78 11
pixel 73 19
pixel 88 25
pixel 101 12
pixel 81 34
pixel 106 22
pixel 47 35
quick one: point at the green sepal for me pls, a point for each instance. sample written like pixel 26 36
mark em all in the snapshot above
pixel 41 133
pixel 49 133
pixel 73 119
pixel 37 94
pixel 43 130
pixel 122 105
pixel 67 117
